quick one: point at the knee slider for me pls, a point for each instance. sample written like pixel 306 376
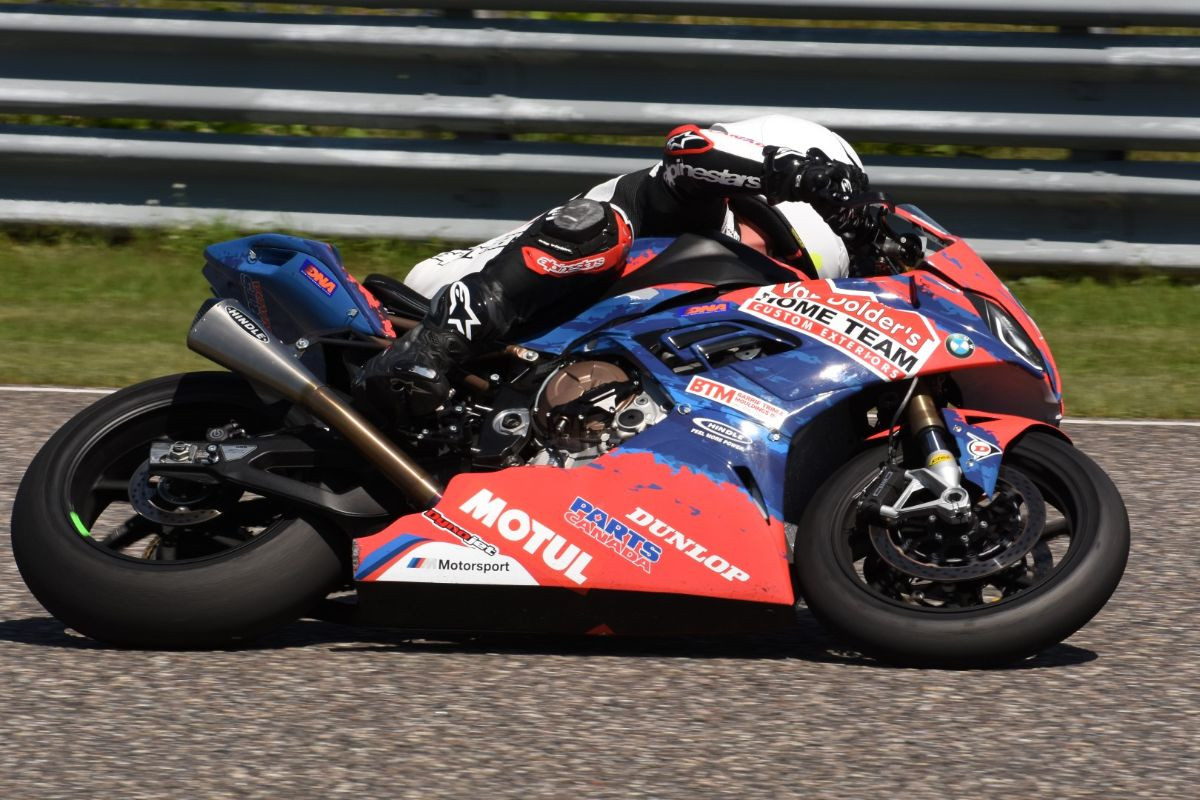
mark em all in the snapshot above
pixel 582 236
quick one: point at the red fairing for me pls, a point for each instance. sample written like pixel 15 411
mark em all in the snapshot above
pixel 962 266
pixel 1006 427
pixel 545 263
pixel 375 305
pixel 633 264
pixel 605 526
pixel 687 140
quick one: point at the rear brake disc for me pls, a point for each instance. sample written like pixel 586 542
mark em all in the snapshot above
pixel 150 503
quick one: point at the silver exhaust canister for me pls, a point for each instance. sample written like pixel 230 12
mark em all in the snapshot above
pixel 229 335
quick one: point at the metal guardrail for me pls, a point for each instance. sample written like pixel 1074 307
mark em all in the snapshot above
pixel 1096 94
pixel 1173 13
pixel 1083 91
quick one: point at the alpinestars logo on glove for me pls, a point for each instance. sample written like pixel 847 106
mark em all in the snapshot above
pixel 461 315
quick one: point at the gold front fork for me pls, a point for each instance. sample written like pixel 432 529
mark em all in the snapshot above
pixel 930 434
pixel 940 475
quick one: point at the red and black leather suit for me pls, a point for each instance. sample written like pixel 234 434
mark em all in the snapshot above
pixel 571 254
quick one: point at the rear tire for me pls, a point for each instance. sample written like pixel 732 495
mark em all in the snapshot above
pixel 1043 608
pixel 212 597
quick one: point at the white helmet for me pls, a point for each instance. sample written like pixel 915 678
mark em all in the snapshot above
pixel 824 247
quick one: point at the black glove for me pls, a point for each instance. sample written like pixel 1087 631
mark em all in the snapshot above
pixel 811 177
pixel 858 223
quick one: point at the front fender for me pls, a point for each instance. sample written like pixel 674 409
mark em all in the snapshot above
pixel 983 437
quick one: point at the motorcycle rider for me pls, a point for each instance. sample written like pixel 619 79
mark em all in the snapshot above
pixel 773 172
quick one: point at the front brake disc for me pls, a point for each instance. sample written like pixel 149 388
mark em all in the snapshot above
pixel 891 547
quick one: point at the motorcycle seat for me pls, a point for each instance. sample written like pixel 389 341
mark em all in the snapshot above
pixel 399 299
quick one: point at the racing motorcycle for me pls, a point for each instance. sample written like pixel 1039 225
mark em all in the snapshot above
pixel 718 439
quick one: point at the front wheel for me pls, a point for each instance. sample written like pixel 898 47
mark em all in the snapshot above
pixel 924 607
pixel 125 557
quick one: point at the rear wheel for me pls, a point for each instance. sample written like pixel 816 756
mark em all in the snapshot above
pixel 924 593
pixel 129 558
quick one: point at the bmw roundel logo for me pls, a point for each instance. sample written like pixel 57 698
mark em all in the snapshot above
pixel 960 345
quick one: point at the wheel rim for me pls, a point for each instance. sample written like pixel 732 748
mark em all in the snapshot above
pixel 1052 507
pixel 209 524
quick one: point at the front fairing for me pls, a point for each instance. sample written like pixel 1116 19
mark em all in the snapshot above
pixel 952 259
pixel 942 329
pixel 605 313
pixel 847 334
pixel 744 414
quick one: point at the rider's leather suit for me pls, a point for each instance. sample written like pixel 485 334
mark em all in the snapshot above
pixel 565 258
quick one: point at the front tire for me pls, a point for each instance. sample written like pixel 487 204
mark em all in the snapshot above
pixel 202 581
pixel 1061 583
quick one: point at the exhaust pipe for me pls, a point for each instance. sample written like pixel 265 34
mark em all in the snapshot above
pixel 228 334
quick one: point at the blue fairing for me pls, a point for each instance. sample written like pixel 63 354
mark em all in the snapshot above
pixel 679 440
pixel 806 378
pixel 294 286
pixel 559 340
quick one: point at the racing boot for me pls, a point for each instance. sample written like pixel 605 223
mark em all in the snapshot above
pixel 563 258
pixel 410 379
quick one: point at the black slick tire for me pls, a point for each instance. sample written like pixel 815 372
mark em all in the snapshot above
pixel 997 633
pixel 214 601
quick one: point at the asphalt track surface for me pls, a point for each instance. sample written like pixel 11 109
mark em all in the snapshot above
pixel 319 710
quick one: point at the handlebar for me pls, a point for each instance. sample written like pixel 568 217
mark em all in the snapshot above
pixel 906 249
pixel 879 241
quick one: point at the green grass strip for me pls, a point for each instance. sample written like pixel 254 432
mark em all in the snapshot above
pixel 83 309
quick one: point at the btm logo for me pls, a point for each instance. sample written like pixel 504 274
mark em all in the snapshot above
pixel 613 534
